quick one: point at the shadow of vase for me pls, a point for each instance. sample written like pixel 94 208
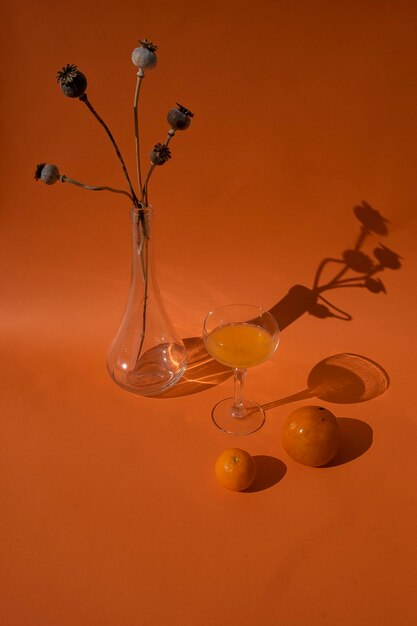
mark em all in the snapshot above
pixel 298 301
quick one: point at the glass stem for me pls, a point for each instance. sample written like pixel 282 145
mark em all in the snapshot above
pixel 238 409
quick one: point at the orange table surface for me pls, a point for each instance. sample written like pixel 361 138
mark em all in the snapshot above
pixel 110 511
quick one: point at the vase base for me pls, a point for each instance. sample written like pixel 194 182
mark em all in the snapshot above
pixel 155 372
pixel 151 386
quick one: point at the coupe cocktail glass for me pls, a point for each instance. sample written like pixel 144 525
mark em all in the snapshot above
pixel 240 336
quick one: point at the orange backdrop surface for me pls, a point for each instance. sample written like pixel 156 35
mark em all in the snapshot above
pixel 110 511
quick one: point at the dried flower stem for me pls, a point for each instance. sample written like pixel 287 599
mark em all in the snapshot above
pixel 143 235
pixel 143 251
pixel 66 179
pixel 144 197
pixel 170 135
pixel 143 230
pixel 145 270
pixel 86 101
pixel 136 121
pixel 144 255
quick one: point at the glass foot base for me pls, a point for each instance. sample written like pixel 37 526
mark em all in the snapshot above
pixel 247 420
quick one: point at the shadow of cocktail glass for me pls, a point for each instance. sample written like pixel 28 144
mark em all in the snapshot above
pixel 342 379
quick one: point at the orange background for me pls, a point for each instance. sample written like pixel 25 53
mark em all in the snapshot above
pixel 110 513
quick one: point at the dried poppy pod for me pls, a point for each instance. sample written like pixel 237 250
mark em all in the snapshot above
pixel 144 56
pixel 160 154
pixel 179 118
pixel 47 173
pixel 72 82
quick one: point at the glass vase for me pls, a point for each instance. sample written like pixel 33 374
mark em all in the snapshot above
pixel 146 356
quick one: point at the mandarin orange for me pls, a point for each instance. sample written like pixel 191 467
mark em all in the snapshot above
pixel 235 469
pixel 311 435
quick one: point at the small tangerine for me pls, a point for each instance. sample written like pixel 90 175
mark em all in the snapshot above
pixel 235 469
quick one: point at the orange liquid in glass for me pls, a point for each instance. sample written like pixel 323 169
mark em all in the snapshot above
pixel 240 345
